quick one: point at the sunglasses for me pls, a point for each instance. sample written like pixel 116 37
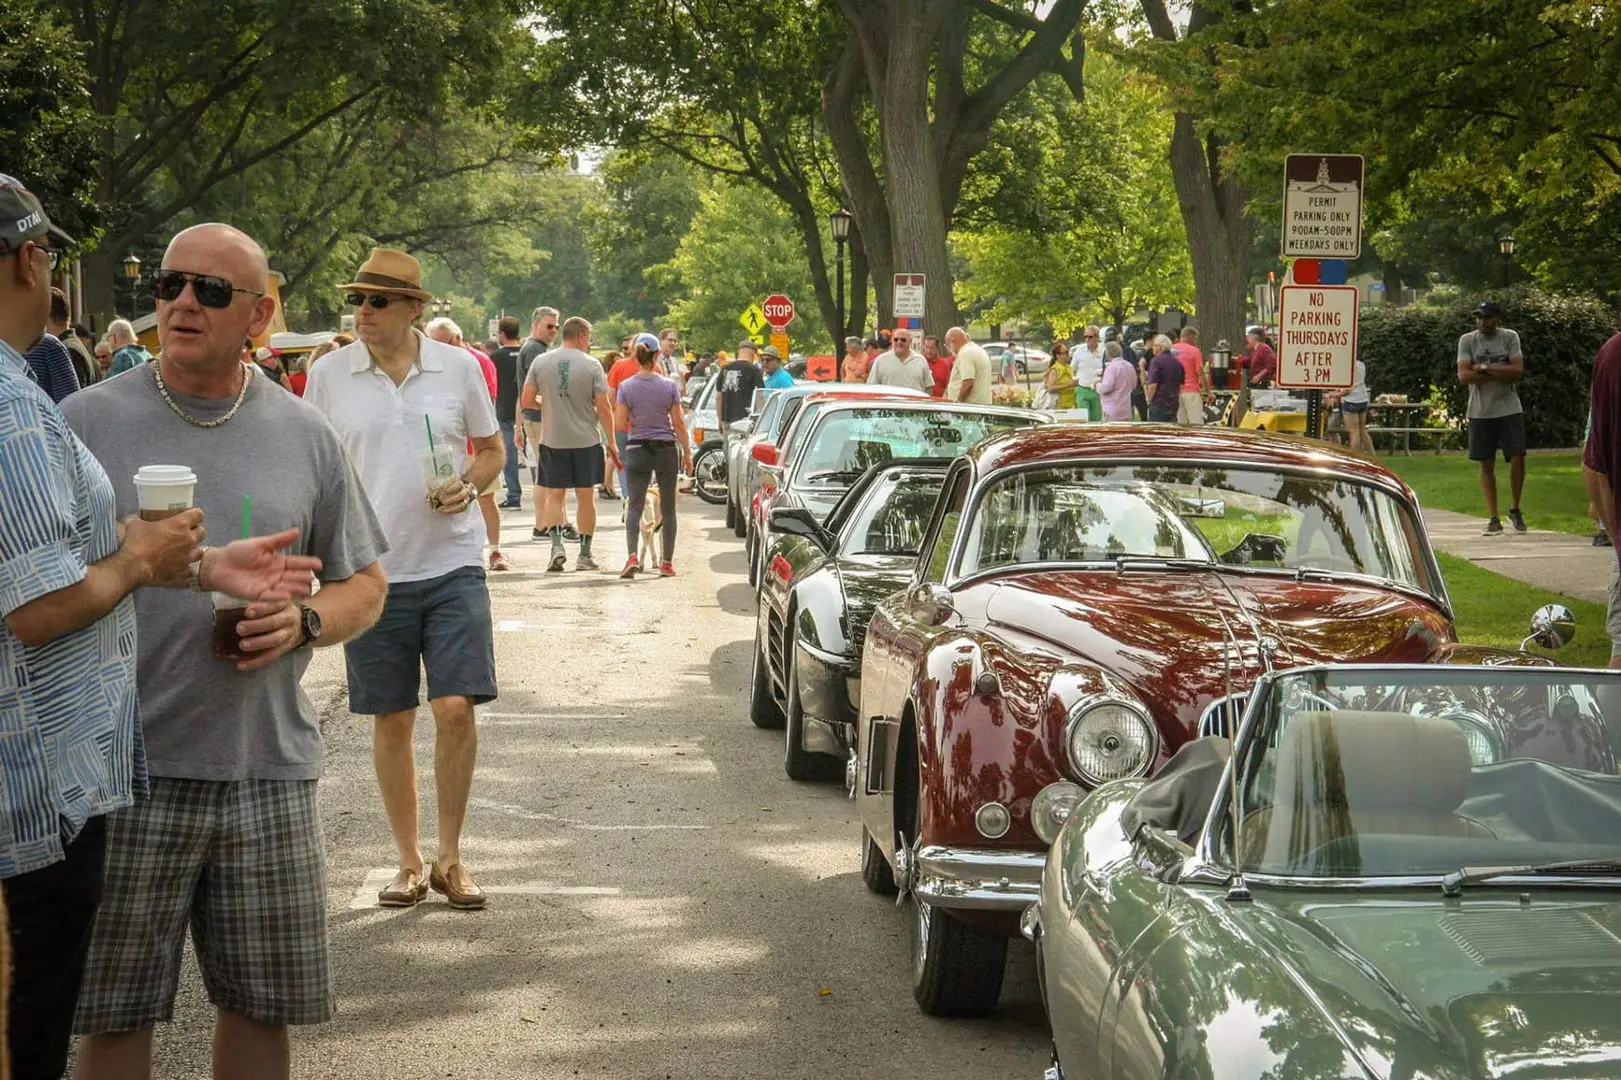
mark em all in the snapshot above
pixel 378 301
pixel 53 254
pixel 210 291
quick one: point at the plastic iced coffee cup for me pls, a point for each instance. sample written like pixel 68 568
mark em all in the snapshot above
pixel 164 490
pixel 228 615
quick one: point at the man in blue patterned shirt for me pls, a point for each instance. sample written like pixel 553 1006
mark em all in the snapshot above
pixel 71 750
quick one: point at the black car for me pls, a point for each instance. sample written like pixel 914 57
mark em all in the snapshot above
pixel 820 584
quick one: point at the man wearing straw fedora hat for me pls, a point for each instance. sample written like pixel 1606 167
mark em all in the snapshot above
pixel 405 407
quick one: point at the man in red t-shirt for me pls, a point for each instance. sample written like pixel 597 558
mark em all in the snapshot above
pixel 1259 359
pixel 939 365
pixel 1601 464
pixel 1195 381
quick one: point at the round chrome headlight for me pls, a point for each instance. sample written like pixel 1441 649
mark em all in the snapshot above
pixel 993 820
pixel 1109 740
pixel 1483 748
pixel 1052 807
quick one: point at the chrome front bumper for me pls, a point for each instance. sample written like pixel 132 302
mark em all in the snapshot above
pixel 980 880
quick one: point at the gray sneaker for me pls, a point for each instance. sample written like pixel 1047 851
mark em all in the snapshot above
pixel 585 562
pixel 1494 527
pixel 1516 519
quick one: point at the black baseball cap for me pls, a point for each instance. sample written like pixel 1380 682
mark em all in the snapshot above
pixel 22 218
pixel 1491 308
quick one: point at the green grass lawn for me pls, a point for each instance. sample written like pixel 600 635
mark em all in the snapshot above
pixel 1554 498
pixel 1494 610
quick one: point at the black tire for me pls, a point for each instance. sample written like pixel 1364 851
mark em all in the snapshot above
pixel 764 711
pixel 800 764
pixel 740 524
pixel 731 515
pixel 709 474
pixel 875 872
pixel 754 566
pixel 956 970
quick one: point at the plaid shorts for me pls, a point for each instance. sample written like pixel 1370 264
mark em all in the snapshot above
pixel 241 863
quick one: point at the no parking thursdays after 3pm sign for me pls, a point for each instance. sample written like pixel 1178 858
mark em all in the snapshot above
pixel 1317 337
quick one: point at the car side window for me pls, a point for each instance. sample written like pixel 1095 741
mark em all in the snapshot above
pixel 936 551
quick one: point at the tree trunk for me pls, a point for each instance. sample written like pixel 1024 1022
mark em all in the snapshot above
pixel 855 306
pixel 840 110
pixel 910 165
pixel 100 267
pixel 1219 236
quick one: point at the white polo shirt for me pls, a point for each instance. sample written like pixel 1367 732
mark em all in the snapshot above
pixel 385 428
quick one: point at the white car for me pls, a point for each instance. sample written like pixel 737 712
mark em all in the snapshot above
pixel 1032 361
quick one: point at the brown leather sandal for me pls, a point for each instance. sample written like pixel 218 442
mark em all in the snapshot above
pixel 450 882
pixel 406 890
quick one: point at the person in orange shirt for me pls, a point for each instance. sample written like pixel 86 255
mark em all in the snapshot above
pixel 620 368
pixel 854 368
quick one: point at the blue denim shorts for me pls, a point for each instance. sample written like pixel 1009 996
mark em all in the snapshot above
pixel 439 624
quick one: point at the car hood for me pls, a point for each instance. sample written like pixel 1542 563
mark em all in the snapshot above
pixel 1167 634
pixel 1491 986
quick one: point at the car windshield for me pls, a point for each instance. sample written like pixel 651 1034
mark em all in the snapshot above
pixel 893 514
pixel 767 424
pixel 847 442
pixel 1357 772
pixel 705 400
pixel 1250 518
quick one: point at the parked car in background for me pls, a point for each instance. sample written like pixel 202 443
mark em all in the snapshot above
pixel 836 440
pixel 1398 871
pixel 798 418
pixel 1088 599
pixel 779 408
pixel 822 580
pixel 1030 360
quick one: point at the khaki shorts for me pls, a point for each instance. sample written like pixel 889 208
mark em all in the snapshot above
pixel 491 488
pixel 1190 407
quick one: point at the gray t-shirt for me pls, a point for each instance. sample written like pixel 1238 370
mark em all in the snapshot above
pixel 567 382
pixel 203 719
pixel 891 370
pixel 1491 399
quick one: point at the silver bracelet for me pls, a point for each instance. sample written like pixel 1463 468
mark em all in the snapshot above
pixel 194 573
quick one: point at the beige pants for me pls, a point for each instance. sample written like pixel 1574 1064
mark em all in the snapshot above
pixel 1190 407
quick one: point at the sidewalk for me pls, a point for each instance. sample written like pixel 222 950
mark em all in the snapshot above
pixel 1559 562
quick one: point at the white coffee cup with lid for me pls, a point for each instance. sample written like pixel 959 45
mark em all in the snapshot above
pixel 164 490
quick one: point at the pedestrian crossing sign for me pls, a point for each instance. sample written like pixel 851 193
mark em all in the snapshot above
pixel 753 321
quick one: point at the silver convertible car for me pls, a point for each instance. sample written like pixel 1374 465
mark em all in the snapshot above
pixel 1397 871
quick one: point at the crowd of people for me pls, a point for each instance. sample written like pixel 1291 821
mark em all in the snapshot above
pixel 135 816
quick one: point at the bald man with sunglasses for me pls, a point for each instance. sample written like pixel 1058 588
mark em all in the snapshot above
pixel 228 842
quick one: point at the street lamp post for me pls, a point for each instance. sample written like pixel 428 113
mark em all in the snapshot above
pixel 840 222
pixel 1505 244
pixel 132 274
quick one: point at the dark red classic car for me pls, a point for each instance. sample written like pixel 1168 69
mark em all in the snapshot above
pixel 1087 599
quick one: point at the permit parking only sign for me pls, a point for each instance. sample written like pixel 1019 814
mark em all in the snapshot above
pixel 1322 206
pixel 1317 336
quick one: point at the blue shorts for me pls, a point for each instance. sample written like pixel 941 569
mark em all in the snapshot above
pixel 441 624
pixel 581 467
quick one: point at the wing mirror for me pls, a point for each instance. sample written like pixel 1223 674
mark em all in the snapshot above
pixel 931 604
pixel 1552 627
pixel 1162 853
pixel 739 429
pixel 764 452
pixel 797 521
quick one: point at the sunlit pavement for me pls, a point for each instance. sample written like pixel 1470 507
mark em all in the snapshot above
pixel 665 902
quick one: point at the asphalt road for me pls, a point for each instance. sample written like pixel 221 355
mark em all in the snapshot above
pixel 666 903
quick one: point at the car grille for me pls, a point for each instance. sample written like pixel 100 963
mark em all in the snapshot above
pixel 1221 716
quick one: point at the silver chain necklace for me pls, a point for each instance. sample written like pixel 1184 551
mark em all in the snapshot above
pixel 247 377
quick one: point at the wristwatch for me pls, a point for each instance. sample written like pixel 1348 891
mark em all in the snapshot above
pixel 309 626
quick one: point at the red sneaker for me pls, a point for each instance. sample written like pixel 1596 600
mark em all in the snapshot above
pixel 498 561
pixel 632 566
pixel 666 569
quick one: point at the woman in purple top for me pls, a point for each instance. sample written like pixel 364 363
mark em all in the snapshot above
pixel 1119 380
pixel 648 409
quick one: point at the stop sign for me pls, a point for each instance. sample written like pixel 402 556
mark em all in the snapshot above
pixel 779 310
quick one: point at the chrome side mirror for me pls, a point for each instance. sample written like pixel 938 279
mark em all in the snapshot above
pixel 931 604
pixel 1552 627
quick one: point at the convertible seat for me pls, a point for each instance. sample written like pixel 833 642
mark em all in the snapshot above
pixel 1348 772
